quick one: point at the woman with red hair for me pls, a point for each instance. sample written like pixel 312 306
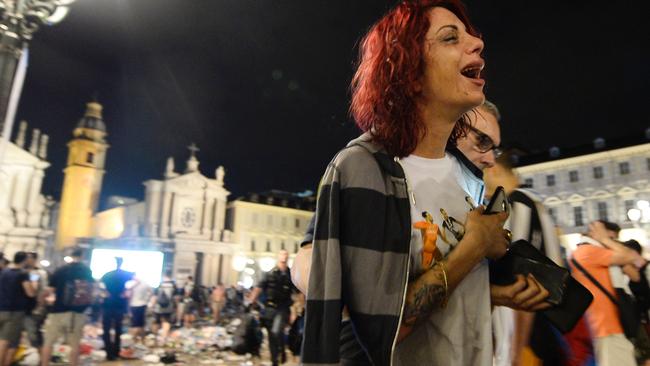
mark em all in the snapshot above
pixel 410 304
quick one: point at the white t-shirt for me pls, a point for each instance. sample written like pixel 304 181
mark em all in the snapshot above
pixel 459 334
pixel 140 294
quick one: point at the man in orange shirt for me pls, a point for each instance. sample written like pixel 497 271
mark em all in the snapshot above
pixel 596 254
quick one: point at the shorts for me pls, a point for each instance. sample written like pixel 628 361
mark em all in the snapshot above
pixel 614 350
pixel 137 316
pixel 11 326
pixel 33 325
pixel 217 306
pixel 163 317
pixel 190 307
pixel 68 325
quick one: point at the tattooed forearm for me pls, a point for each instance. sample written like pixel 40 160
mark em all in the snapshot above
pixel 424 295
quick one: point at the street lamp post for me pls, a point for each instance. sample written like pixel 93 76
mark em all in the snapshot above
pixel 641 213
pixel 640 217
pixel 19 19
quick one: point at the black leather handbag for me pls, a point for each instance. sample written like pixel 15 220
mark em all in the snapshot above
pixel 569 298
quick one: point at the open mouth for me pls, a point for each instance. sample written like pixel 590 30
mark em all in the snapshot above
pixel 472 72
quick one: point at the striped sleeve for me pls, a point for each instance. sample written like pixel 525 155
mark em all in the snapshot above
pixel 323 309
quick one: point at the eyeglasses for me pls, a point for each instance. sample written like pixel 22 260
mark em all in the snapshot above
pixel 484 143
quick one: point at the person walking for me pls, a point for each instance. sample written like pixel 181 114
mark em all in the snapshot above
pixel 163 304
pixel 277 288
pixel 141 293
pixel 218 301
pixel 591 262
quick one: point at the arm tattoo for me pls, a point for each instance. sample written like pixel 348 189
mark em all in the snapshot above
pixel 424 300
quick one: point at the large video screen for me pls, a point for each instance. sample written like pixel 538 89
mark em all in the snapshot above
pixel 147 265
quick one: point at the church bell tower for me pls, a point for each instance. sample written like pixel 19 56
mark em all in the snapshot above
pixel 83 176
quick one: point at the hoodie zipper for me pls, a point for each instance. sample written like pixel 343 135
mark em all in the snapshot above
pixel 408 264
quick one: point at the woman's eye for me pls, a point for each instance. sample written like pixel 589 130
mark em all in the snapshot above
pixel 450 38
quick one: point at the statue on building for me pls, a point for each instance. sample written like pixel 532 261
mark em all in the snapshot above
pixel 219 174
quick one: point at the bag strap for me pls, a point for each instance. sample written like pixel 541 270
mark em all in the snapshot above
pixel 592 279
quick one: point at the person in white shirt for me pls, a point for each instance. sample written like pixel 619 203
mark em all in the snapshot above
pixel 140 295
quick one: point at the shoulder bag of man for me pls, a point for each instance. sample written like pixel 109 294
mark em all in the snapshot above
pixel 627 310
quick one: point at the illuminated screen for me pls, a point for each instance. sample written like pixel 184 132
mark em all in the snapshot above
pixel 147 265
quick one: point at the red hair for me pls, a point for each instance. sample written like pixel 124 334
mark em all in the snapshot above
pixel 386 84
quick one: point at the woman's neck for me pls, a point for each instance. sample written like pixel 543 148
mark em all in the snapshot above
pixel 438 127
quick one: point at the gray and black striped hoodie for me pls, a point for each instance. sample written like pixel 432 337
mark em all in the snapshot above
pixel 360 254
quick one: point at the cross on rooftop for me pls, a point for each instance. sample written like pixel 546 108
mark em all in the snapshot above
pixel 193 149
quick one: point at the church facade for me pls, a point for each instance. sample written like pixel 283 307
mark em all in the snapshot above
pixel 25 213
pixel 182 215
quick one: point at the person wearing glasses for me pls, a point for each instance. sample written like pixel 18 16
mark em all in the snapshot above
pixel 481 145
pixel 417 78
pixel 531 221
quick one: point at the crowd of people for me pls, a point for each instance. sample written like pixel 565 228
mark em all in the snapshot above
pixel 42 309
pixel 396 267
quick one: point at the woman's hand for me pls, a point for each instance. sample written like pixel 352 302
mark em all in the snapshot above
pixel 487 232
pixel 526 294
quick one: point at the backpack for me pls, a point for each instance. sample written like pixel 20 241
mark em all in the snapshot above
pixel 196 294
pixel 78 293
pixel 162 299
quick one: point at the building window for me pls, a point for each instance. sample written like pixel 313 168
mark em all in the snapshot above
pixel 598 172
pixel 268 245
pixel 550 180
pixel 297 223
pixel 647 163
pixel 90 157
pixel 577 216
pixel 528 182
pixel 252 245
pixel 624 168
pixel 602 211
pixel 282 246
pixel 295 247
pixel 573 176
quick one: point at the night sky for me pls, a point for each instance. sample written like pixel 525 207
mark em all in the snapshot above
pixel 261 86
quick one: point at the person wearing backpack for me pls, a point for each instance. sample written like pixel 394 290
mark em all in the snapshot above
pixel 163 304
pixel 591 261
pixel 70 291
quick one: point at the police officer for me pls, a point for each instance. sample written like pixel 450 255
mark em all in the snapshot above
pixel 277 288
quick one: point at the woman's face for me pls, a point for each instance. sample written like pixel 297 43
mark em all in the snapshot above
pixel 453 64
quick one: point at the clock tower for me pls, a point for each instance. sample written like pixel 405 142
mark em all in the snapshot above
pixel 83 178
